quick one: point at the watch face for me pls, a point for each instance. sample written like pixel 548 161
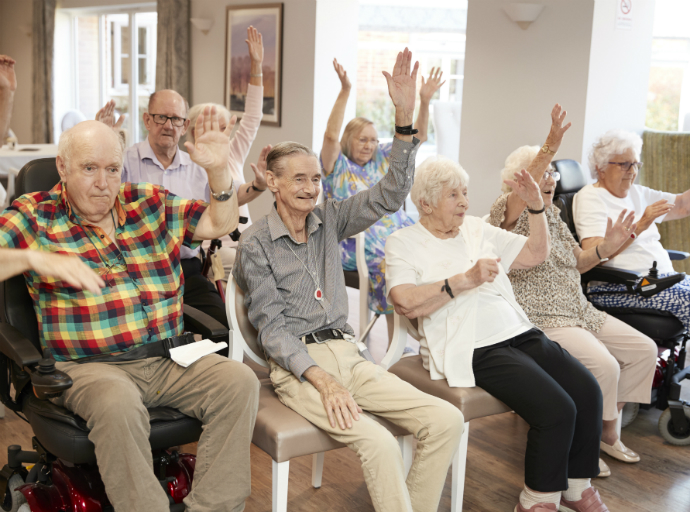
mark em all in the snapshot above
pixel 222 196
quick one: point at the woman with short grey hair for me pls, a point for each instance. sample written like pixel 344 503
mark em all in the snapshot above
pixel 449 271
pixel 622 359
pixel 614 162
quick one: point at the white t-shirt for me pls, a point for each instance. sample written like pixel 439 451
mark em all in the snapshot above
pixel 593 205
pixel 475 318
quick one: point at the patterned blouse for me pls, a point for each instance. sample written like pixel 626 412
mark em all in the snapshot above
pixel 550 293
pixel 346 180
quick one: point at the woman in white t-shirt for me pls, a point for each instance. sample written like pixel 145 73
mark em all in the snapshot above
pixel 614 162
pixel 449 271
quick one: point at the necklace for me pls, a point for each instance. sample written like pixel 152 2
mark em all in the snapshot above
pixel 318 294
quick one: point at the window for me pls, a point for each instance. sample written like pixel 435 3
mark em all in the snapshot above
pixel 102 55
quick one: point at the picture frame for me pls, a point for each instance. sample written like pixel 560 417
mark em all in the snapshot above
pixel 268 20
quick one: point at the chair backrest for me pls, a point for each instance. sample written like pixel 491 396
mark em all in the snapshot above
pixel 572 180
pixel 243 336
pixel 402 326
pixel 40 174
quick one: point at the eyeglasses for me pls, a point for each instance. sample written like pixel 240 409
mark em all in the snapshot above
pixel 554 174
pixel 625 166
pixel 363 141
pixel 162 119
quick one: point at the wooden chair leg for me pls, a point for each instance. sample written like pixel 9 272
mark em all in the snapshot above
pixel 459 466
pixel 281 475
pixel 407 448
pixel 317 469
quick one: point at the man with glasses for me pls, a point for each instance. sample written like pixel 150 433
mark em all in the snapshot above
pixel 159 160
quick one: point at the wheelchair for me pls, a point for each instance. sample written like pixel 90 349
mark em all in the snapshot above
pixel 62 473
pixel 661 326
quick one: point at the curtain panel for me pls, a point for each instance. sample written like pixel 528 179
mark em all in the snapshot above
pixel 666 157
pixel 172 56
pixel 43 31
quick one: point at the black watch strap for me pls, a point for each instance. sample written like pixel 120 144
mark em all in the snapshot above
pixel 535 212
pixel 446 288
pixel 406 130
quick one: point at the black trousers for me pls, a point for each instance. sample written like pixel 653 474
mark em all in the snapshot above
pixel 200 293
pixel 559 399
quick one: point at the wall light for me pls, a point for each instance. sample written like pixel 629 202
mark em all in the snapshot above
pixel 523 14
pixel 203 24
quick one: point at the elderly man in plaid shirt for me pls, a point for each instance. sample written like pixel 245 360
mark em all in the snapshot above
pixel 102 264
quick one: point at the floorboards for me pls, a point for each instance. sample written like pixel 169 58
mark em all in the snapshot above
pixel 659 483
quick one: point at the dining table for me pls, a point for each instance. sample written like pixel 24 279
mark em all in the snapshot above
pixel 13 159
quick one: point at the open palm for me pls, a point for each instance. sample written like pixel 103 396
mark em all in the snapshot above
pixel 255 44
pixel 402 84
pixel 525 187
pixel 211 145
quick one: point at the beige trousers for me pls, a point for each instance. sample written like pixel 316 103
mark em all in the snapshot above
pixel 435 423
pixel 113 397
pixel 621 358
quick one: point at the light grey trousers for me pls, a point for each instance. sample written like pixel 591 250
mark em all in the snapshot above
pixel 113 398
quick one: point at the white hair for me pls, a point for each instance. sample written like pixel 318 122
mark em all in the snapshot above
pixel 198 109
pixel 435 174
pixel 613 142
pixel 519 159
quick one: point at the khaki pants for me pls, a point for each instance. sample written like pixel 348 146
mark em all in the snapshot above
pixel 435 423
pixel 113 397
pixel 621 358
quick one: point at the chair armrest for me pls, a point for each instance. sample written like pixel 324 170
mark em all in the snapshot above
pixel 610 275
pixel 200 323
pixel 678 255
pixel 15 346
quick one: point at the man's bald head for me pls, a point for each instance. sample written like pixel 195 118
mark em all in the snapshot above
pixel 88 134
pixel 166 95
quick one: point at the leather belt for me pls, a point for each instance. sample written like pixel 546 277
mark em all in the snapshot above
pixel 159 348
pixel 323 336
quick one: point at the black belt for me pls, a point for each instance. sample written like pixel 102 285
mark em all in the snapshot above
pixel 159 348
pixel 323 336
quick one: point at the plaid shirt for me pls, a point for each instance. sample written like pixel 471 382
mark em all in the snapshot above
pixel 142 299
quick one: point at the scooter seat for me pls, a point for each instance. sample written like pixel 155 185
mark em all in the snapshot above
pixel 661 326
pixel 65 434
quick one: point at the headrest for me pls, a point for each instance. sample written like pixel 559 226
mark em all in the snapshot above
pixel 572 176
pixel 37 176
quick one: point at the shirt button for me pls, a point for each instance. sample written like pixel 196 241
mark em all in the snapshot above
pixel 120 256
pixel 102 236
pixel 144 303
pixel 404 151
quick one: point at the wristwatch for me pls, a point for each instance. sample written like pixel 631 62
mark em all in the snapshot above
pixel 224 195
pixel 601 260
pixel 545 149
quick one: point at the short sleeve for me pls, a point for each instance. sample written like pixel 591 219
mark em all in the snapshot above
pixel 182 216
pixel 506 244
pixel 16 228
pixel 589 213
pixel 329 181
pixel 400 268
pixel 651 196
pixel 498 210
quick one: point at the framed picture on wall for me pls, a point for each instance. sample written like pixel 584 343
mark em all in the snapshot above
pixel 268 20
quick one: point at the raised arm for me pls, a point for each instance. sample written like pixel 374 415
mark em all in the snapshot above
pixel 515 205
pixel 210 151
pixel 258 185
pixel 8 84
pixel 616 235
pixel 331 139
pixel 106 115
pixel 681 207
pixel 426 92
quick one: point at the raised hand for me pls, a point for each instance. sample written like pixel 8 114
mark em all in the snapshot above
pixel 255 43
pixel 402 85
pixel 68 268
pixel 526 189
pixel 342 75
pixel 106 115
pixel 433 84
pixel 619 233
pixel 653 212
pixel 484 271
pixel 557 129
pixel 8 78
pixel 211 149
pixel 260 168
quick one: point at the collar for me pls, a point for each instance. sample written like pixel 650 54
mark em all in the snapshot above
pixel 181 157
pixel 64 200
pixel 277 227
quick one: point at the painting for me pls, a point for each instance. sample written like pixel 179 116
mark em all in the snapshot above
pixel 268 20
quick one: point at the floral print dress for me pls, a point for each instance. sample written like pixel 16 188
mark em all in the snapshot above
pixel 346 180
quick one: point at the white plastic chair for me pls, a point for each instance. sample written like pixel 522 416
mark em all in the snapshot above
pixel 270 431
pixel 366 322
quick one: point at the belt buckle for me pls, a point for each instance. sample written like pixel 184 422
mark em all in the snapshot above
pixel 318 340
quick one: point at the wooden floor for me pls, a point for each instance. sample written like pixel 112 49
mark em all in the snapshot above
pixel 660 482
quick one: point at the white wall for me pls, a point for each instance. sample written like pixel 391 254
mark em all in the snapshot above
pixel 619 66
pixel 513 78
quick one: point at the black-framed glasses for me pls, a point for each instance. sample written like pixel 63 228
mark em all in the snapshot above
pixel 625 166
pixel 553 173
pixel 162 119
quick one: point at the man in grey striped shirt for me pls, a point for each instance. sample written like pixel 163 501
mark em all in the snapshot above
pixel 288 264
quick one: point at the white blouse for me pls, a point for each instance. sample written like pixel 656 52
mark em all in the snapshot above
pixel 476 318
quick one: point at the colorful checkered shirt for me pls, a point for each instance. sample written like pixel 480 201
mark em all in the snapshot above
pixel 142 299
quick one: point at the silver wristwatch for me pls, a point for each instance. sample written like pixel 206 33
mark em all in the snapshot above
pixel 224 195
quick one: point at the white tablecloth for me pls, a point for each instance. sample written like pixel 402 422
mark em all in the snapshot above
pixel 12 160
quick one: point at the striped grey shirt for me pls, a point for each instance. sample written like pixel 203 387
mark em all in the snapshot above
pixel 271 267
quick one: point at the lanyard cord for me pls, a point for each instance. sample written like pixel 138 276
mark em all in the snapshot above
pixel 316 282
